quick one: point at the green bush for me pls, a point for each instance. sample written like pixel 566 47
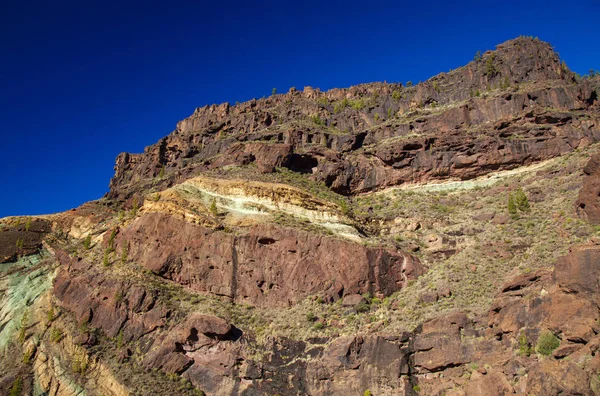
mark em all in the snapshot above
pixel 23 327
pixel 105 259
pixel 363 307
pixel 338 107
pixel 358 104
pixel 56 335
pixel 51 315
pixel 120 341
pixel 521 200
pixel 134 208
pixel 318 326
pixel 213 207
pixel 490 67
pixel 124 252
pixel 87 242
pixel 512 206
pixel 17 387
pixel 317 120
pixel 546 343
pixel 397 95
pixel 524 346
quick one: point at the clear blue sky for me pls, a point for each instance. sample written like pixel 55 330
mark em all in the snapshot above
pixel 82 81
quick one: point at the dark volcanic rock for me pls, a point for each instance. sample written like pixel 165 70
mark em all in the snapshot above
pixel 23 239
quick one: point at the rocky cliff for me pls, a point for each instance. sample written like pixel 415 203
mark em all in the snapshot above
pixel 383 239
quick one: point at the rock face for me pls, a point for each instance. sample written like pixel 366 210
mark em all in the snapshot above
pixel 214 355
pixel 22 238
pixel 225 258
pixel 269 266
pixel 517 105
pixel 114 305
pixel 588 203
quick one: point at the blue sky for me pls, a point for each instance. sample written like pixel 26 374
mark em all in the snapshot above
pixel 83 81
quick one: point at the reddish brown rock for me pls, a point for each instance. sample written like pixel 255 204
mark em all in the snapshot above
pixel 550 377
pixel 353 300
pixel 188 344
pixel 111 305
pixel 349 362
pixel 579 271
pixel 569 309
pixel 588 202
pixel 268 266
pixel 266 131
pixel 438 344
pixel 491 384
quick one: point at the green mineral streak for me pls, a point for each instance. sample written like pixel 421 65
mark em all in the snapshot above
pixel 21 284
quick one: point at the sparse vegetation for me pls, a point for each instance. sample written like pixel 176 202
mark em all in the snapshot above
pixel 17 387
pixel 111 240
pixel 317 120
pixel 521 200
pixel 512 206
pixel 87 242
pixel 50 315
pixel 56 335
pixel 28 355
pixel 341 105
pixel 547 342
pixel 490 66
pixel 106 258
pixel 124 252
pixel 213 207
pixel 134 207
pixel 120 341
pixel 118 297
pixel 358 104
pixel 524 345
pixel 23 325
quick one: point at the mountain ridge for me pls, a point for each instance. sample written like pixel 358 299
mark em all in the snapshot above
pixel 270 247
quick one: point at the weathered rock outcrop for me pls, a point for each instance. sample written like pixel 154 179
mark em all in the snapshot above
pixel 515 105
pixel 188 277
pixel 268 266
pixel 588 203
pixel 113 305
pixel 22 238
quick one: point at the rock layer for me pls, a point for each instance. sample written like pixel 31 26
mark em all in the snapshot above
pixel 268 266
